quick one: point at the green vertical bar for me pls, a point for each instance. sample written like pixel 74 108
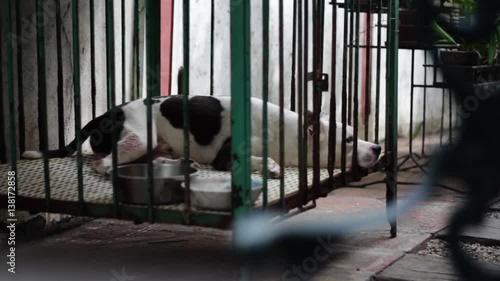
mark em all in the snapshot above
pixel 136 49
pixel 76 84
pixel 377 85
pixel 316 102
pixel 343 150
pixel 388 48
pixel 42 97
pixel 392 105
pixel 293 80
pixel 282 110
pixel 20 81
pixel 212 27
pixel 153 84
pixel 332 131
pixel 351 64
pixel 450 117
pixel 368 71
pixel 300 97
pixel 92 57
pixel 60 78
pixel 355 93
pixel 303 167
pixel 265 97
pixel 110 68
pixel 241 111
pixel 124 78
pixel 110 51
pixel 185 87
pixel 10 82
pixel 424 104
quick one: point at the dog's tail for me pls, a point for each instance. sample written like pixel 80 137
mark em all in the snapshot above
pixel 68 149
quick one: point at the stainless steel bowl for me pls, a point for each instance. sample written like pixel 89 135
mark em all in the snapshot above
pixel 167 180
pixel 214 193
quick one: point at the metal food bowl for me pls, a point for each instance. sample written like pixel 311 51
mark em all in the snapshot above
pixel 167 179
pixel 214 193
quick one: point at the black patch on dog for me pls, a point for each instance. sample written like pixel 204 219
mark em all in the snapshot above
pixel 102 134
pixel 223 160
pixel 154 100
pixel 99 130
pixel 204 114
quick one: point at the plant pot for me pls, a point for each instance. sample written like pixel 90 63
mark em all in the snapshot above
pixel 467 66
pixel 409 25
pixel 461 58
pixel 465 58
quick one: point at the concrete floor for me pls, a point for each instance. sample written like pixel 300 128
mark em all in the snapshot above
pixel 121 251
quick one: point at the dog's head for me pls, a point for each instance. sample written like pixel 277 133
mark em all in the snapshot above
pixel 368 153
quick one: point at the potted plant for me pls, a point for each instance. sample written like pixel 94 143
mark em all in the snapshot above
pixel 408 26
pixel 471 60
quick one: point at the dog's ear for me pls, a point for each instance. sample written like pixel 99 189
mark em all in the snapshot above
pixel 310 125
pixel 323 131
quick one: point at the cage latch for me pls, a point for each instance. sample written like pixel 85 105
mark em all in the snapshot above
pixel 322 81
pixel 324 85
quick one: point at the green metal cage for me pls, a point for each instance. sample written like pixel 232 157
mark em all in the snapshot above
pixel 68 185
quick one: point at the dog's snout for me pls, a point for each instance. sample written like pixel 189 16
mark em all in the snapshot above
pixel 377 149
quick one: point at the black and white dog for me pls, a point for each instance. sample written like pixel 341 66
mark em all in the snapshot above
pixel 210 135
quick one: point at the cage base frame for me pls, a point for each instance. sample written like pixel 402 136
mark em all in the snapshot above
pixel 162 213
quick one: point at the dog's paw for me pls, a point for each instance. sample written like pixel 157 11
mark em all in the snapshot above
pixel 179 161
pixel 100 167
pixel 165 160
pixel 194 164
pixel 32 155
pixel 274 170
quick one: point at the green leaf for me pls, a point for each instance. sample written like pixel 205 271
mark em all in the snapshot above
pixel 492 52
pixel 443 34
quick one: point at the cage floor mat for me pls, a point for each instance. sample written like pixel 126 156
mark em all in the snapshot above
pixel 99 190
